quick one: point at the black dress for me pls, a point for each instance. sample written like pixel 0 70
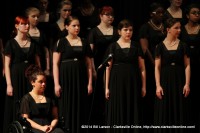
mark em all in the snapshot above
pixel 40 113
pixel 173 109
pixel 193 41
pixel 55 34
pixel 21 58
pixel 73 80
pixel 125 89
pixel 101 42
pixel 167 15
pixel 154 37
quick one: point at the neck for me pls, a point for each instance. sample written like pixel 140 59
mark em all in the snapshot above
pixel 36 93
pixel 170 39
pixel 124 40
pixel 192 24
pixel 72 36
pixel 21 36
pixel 104 26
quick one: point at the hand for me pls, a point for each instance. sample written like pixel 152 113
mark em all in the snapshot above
pixel 58 90
pixel 47 72
pixel 9 90
pixel 186 90
pixel 159 92
pixel 45 128
pixel 90 89
pixel 107 94
pixel 143 92
pixel 50 129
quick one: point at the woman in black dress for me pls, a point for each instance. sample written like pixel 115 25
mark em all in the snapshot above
pixel 100 37
pixel 190 34
pixel 125 82
pixel 172 74
pixel 39 110
pixel 151 33
pixel 72 71
pixel 19 52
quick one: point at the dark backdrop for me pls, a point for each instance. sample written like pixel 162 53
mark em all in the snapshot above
pixel 135 10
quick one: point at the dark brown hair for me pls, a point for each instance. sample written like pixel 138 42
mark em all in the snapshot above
pixel 32 72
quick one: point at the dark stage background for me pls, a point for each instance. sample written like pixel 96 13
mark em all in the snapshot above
pixel 136 11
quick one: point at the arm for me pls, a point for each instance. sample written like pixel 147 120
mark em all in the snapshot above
pixel 7 74
pixel 35 125
pixel 159 90
pixel 56 62
pixel 47 71
pixel 2 55
pixel 186 89
pixel 89 71
pixel 94 73
pixel 143 75
pixel 144 44
pixel 37 60
pixel 108 69
pixel 55 119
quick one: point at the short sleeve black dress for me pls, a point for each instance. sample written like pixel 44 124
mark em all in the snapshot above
pixel 40 113
pixel 125 89
pixel 173 109
pixel 21 58
pixel 73 80
pixel 101 42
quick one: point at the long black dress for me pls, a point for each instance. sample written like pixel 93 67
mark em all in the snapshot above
pixel 125 89
pixel 193 41
pixel 40 113
pixel 101 42
pixel 173 109
pixel 154 37
pixel 21 58
pixel 73 80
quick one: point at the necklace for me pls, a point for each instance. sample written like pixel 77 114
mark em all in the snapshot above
pixel 34 31
pixel 175 13
pixel 73 42
pixel 155 27
pixel 172 43
pixel 194 30
pixel 22 43
pixel 105 31
pixel 38 97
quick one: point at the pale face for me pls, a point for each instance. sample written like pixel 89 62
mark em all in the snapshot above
pixel 175 29
pixel 65 11
pixel 74 27
pixel 126 33
pixel 107 18
pixel 22 27
pixel 33 18
pixel 176 3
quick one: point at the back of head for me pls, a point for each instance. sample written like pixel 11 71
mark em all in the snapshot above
pixel 32 72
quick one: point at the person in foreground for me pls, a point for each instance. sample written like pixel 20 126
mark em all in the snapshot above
pixel 39 110
pixel 172 74
pixel 125 76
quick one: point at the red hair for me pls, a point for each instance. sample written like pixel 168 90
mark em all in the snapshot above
pixel 21 19
pixel 106 10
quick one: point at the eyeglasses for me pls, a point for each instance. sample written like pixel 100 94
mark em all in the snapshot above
pixel 158 13
pixel 196 13
pixel 109 15
pixel 65 10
